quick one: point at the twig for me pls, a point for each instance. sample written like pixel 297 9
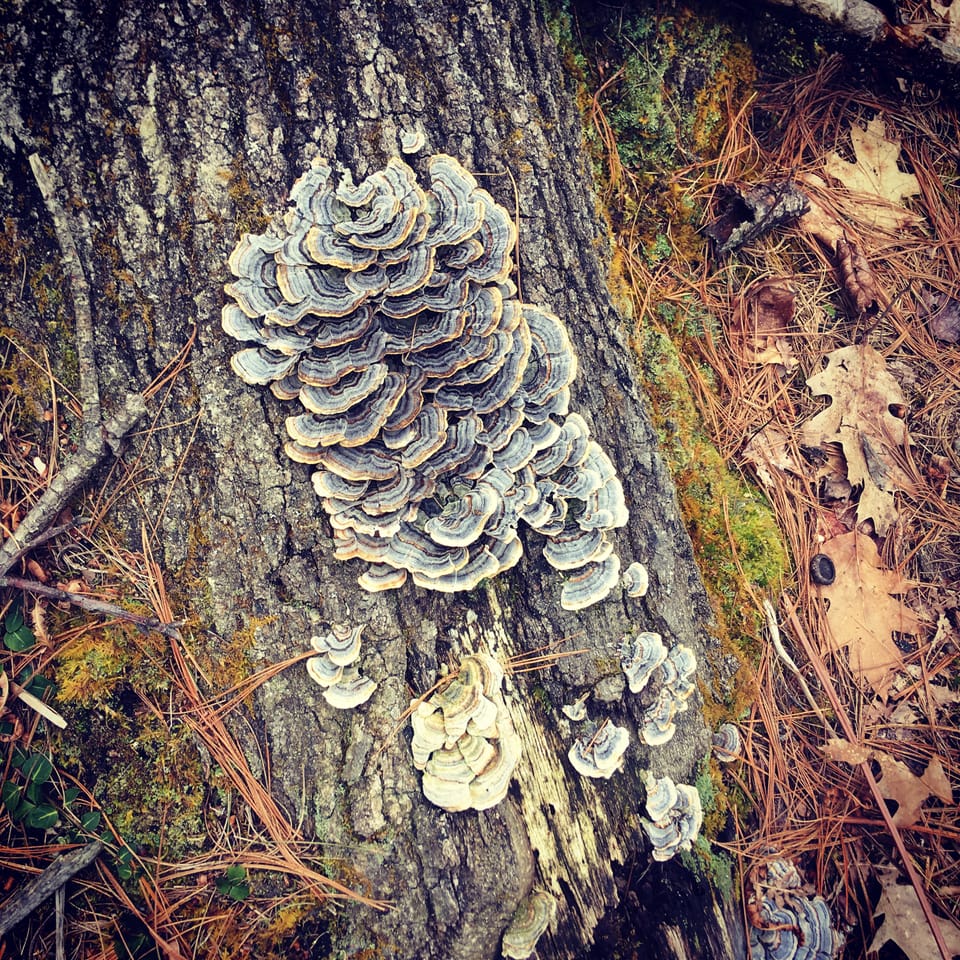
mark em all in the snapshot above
pixel 80 294
pixel 97 435
pixel 91 605
pixel 35 703
pixel 50 881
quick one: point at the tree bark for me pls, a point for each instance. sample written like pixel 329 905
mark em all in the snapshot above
pixel 172 128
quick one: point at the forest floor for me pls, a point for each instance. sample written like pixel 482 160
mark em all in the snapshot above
pixel 791 270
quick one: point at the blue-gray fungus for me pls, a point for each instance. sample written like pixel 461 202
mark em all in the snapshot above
pixel 432 402
pixel 786 922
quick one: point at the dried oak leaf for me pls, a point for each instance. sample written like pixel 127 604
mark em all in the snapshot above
pixel 865 610
pixel 864 393
pixel 897 782
pixel 875 177
pixel 762 320
pixel 769 452
pixel 905 924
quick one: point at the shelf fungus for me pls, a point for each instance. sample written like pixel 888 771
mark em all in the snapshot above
pixel 432 403
pixel 786 923
pixel 676 816
pixel 636 580
pixel 464 740
pixel 334 668
pixel 675 674
pixel 640 656
pixel 599 750
pixel 532 917
pixel 727 743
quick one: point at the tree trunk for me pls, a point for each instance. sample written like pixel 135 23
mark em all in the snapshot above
pixel 173 128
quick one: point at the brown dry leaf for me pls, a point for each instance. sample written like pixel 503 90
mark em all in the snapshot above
pixel 858 277
pixel 943 317
pixel 762 320
pixel 860 420
pixel 769 452
pixel 875 176
pixel 950 14
pixel 865 611
pixel 905 924
pixel 896 781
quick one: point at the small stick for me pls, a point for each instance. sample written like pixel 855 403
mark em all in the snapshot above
pixel 35 703
pixel 50 881
pixel 91 605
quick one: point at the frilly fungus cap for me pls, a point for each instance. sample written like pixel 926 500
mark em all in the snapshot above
pixel 599 750
pixel 334 667
pixel 640 656
pixel 677 686
pixel 793 926
pixel 727 743
pixel 434 403
pixel 636 580
pixel 463 739
pixel 531 918
pixel 676 816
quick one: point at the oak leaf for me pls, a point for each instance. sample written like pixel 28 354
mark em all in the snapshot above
pixel 875 177
pixel 865 610
pixel 905 924
pixel 864 393
pixel 763 322
pixel 897 782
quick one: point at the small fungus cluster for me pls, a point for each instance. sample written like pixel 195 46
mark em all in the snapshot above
pixel 531 918
pixel 644 657
pixel 786 923
pixel 435 404
pixel 676 816
pixel 599 750
pixel 464 740
pixel 335 667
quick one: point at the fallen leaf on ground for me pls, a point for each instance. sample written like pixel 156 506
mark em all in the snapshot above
pixel 769 452
pixel 896 781
pixel 747 213
pixel 943 316
pixel 858 277
pixel 905 924
pixel 950 14
pixel 762 320
pixel 861 421
pixel 864 610
pixel 875 176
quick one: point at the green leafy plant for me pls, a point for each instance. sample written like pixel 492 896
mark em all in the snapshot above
pixel 17 636
pixel 233 883
pixel 25 801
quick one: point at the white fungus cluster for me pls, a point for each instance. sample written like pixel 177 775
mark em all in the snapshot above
pixel 432 402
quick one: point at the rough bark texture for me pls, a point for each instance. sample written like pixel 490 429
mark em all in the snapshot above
pixel 172 127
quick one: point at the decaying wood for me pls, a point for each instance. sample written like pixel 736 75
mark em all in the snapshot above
pixel 38 891
pixel 173 128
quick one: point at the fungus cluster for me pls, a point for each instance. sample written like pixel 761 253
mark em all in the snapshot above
pixel 644 657
pixel 335 667
pixel 531 918
pixel 599 750
pixel 786 923
pixel 433 403
pixel 464 740
pixel 676 816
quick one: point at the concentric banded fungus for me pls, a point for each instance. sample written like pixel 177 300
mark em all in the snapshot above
pixel 787 924
pixel 334 668
pixel 532 917
pixel 727 743
pixel 434 403
pixel 640 656
pixel 636 580
pixel 677 686
pixel 599 750
pixel 463 739
pixel 676 816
